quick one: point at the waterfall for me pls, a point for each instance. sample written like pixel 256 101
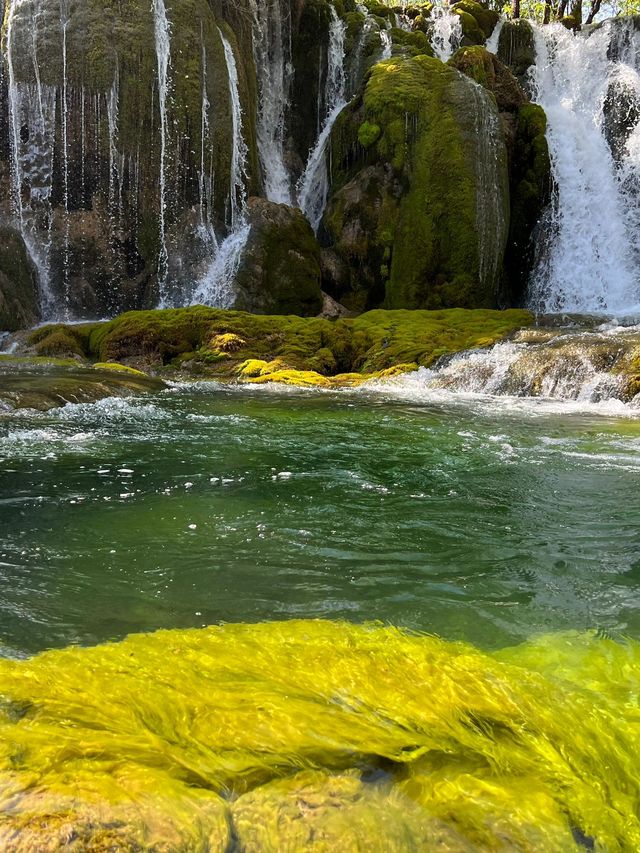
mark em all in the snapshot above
pixel 217 286
pixel 494 40
pixel 567 364
pixel 590 263
pixel 271 51
pixel 447 32
pixel 64 23
pixel 205 182
pixel 31 105
pixel 163 54
pixel 313 186
pixel 387 44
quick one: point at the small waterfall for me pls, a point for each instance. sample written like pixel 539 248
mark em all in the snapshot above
pixel 556 364
pixel 591 263
pixel 271 50
pixel 239 150
pixel 491 217
pixel 64 23
pixel 494 39
pixel 217 286
pixel 163 55
pixel 313 186
pixel 387 44
pixel 205 180
pixel 32 106
pixel 447 32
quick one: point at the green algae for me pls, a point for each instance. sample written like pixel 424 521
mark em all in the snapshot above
pixel 208 339
pixel 320 735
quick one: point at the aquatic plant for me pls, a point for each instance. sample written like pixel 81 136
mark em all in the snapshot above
pixel 318 734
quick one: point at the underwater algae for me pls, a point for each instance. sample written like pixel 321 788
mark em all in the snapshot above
pixel 322 736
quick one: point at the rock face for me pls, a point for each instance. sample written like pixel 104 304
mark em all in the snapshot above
pixel 18 286
pixel 132 136
pixel 280 268
pixel 523 125
pixel 516 48
pixel 421 215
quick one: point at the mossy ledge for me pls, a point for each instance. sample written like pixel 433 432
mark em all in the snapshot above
pixel 255 348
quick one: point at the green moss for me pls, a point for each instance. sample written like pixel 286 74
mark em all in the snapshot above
pixel 368 134
pixel 224 340
pixel 300 734
pixel 416 42
pixel 485 20
pixel 516 47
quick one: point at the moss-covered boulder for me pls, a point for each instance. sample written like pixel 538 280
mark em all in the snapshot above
pixel 280 268
pixel 19 307
pixel 487 70
pixel 531 185
pixel 517 49
pixel 476 19
pixel 421 207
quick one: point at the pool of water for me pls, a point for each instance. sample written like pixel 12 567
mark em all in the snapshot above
pixel 479 519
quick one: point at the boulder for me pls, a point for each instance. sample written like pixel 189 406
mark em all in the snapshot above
pixel 280 268
pixel 421 207
pixel 19 302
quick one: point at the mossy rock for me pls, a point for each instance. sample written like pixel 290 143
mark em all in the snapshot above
pixel 280 268
pixel 231 343
pixel 487 70
pixel 19 300
pixel 485 17
pixel 517 49
pixel 531 184
pixel 420 185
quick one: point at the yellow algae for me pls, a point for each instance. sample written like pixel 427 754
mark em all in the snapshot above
pixel 321 812
pixel 385 739
pixel 117 368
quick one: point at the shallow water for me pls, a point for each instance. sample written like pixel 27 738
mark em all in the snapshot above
pixel 479 519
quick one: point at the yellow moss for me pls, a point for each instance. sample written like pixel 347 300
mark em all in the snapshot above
pixel 399 738
pixel 227 343
pixel 118 368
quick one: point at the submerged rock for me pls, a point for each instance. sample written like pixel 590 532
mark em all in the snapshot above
pixel 320 736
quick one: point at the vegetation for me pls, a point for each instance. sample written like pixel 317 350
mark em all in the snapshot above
pixel 232 344
pixel 296 733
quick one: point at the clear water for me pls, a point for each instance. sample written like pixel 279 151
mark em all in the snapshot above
pixel 483 520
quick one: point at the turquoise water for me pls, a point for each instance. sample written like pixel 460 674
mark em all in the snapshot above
pixel 482 520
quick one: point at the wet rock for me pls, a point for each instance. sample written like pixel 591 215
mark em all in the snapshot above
pixel 19 307
pixel 280 268
pixel 517 49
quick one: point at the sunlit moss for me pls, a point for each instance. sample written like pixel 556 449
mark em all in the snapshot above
pixel 221 342
pixel 353 737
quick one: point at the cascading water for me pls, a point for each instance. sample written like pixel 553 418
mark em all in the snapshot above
pixel 583 366
pixel 313 186
pixel 447 32
pixel 216 287
pixel 387 44
pixel 271 48
pixel 494 39
pixel 31 105
pixel 64 24
pixel 589 262
pixel 163 55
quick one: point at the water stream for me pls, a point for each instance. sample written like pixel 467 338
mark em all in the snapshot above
pixel 589 261
pixel 313 186
pixel 271 47
pixel 217 286
pixel 163 55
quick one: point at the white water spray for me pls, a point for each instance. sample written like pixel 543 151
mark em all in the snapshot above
pixel 163 55
pixel 31 105
pixel 590 264
pixel 313 186
pixel 273 65
pixel 217 286
pixel 447 32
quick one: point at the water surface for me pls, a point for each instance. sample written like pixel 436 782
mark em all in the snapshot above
pixel 479 519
